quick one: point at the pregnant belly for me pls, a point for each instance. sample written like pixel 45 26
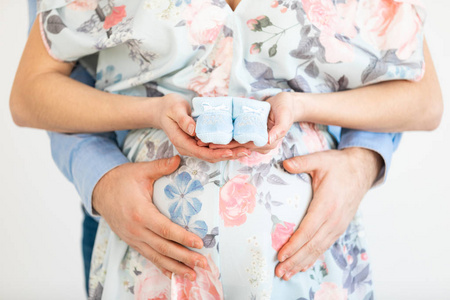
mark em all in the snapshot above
pixel 250 207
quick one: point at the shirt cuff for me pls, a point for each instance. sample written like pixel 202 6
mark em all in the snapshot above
pixel 383 143
pixel 90 163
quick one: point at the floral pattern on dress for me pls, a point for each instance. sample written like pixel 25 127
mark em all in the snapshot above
pixel 244 210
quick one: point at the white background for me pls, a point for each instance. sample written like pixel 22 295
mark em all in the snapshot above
pixel 407 219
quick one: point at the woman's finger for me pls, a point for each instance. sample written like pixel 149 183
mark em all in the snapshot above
pixel 200 143
pixel 231 145
pixel 180 114
pixel 189 147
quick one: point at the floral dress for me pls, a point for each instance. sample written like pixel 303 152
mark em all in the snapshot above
pixel 246 209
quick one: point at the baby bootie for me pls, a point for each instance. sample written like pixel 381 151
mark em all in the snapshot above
pixel 250 121
pixel 213 118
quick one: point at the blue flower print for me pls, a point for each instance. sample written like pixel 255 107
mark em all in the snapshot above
pixel 107 78
pixel 198 227
pixel 179 2
pixel 183 192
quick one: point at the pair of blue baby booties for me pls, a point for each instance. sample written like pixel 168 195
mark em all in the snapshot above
pixel 222 119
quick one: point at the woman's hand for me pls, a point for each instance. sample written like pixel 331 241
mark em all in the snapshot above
pixel 284 112
pixel 176 121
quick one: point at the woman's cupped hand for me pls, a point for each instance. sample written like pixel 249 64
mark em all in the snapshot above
pixel 176 121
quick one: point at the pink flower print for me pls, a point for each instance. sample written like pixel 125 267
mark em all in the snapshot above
pixel 259 23
pixel 255 48
pixel 83 5
pixel 257 158
pixel 364 256
pixel 281 232
pixel 206 286
pixel 313 138
pixel 333 19
pixel 274 4
pixel 204 21
pixel 389 24
pixel 115 17
pixel 330 291
pixel 216 83
pixel 336 50
pixel 349 259
pixel 252 24
pixel 236 200
pixel 151 284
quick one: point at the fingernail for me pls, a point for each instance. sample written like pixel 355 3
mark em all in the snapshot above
pixel 196 244
pixel 168 274
pixel 169 161
pixel 281 273
pixel 283 258
pixel 188 277
pixel 288 275
pixel 199 264
pixel 293 164
pixel 272 138
pixel 229 154
pixel 241 154
pixel 191 129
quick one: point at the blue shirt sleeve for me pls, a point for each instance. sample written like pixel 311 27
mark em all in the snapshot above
pixel 85 158
pixel 383 143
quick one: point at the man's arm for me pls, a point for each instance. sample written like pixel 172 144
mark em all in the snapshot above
pixel 382 143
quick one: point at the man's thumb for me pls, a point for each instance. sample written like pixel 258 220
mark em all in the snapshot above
pixel 158 168
pixel 302 164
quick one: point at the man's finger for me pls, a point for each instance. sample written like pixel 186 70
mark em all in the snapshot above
pixel 304 258
pixel 165 228
pixel 163 262
pixel 303 164
pixel 308 228
pixel 158 168
pixel 172 249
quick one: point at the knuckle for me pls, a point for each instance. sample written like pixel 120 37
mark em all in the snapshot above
pixel 313 249
pixel 185 120
pixel 136 216
pixel 132 230
pixel 291 264
pixel 154 258
pixel 162 249
pixel 308 235
pixel 165 231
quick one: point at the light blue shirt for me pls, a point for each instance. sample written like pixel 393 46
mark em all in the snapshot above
pixel 85 158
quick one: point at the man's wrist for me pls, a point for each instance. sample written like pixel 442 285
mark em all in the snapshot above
pixel 366 162
pixel 103 184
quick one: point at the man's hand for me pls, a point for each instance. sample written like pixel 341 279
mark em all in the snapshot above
pixel 123 197
pixel 340 179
